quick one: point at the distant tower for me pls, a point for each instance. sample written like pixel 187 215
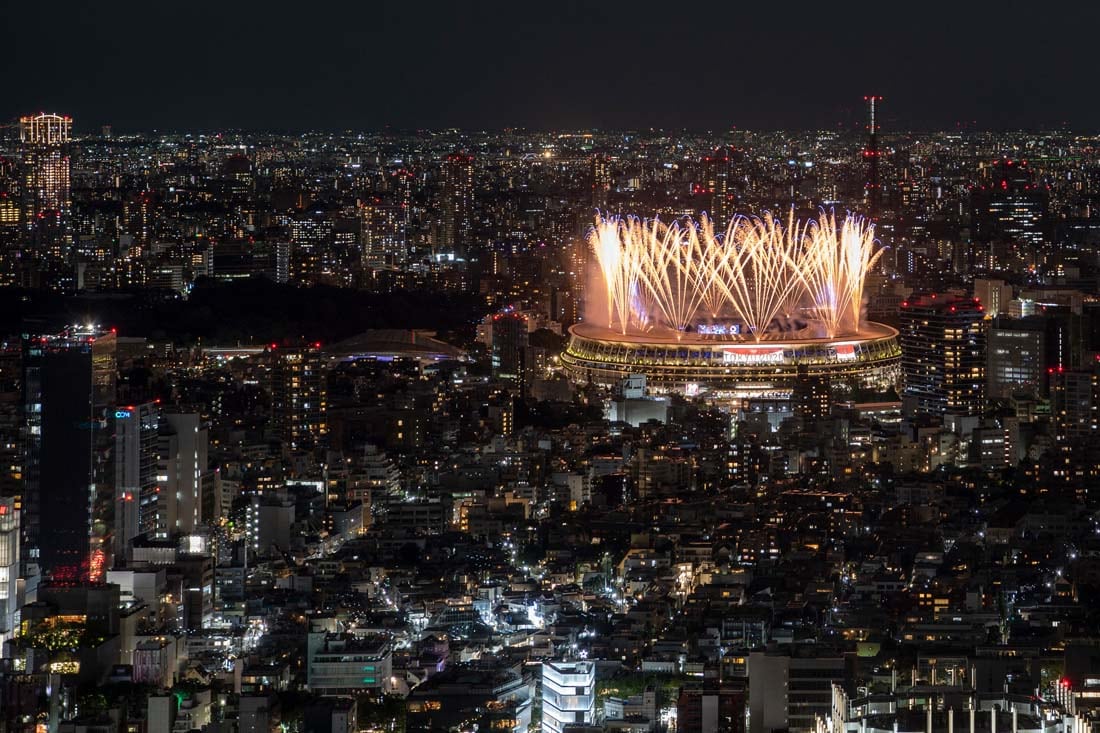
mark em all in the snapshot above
pixel 458 196
pixel 46 183
pixel 601 181
pixel 872 192
pixel 718 173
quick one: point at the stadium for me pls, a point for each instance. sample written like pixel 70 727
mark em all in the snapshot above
pixel 740 313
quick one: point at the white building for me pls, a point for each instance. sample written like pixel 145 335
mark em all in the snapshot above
pixel 568 695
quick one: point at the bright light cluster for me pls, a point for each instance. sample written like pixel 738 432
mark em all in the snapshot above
pixel 759 273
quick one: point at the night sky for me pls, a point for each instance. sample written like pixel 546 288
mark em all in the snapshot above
pixel 369 64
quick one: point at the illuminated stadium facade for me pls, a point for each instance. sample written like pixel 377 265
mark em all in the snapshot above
pixel 739 313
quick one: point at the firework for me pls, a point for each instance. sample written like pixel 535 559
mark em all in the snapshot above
pixel 759 274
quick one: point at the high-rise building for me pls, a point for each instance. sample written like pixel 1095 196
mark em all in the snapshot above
pixel 69 394
pixel 183 472
pixel 510 339
pixel 11 418
pixel 136 489
pixel 1009 205
pixel 46 183
pixel 299 396
pixel 382 233
pixel 811 396
pixel 458 196
pixel 1015 357
pixel 943 355
pixel 872 189
pixel 601 182
pixel 1074 403
pixel 568 695
pixel 719 186
pixel 9 566
pixel 311 257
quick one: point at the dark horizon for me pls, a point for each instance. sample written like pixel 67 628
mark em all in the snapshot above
pixel 567 66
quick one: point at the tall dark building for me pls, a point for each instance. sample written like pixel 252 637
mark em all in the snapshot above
pixel 943 355
pixel 811 396
pixel 299 396
pixel 1074 403
pixel 719 186
pixel 1015 357
pixel 458 195
pixel 509 345
pixel 601 181
pixel 1009 205
pixel 69 396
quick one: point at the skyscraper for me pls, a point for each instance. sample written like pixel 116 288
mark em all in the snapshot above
pixel 601 181
pixel 183 469
pixel 46 183
pixel 1009 205
pixel 719 186
pixel 510 339
pixel 69 393
pixel 1074 403
pixel 299 396
pixel 9 565
pixel 1015 357
pixel 458 194
pixel 136 490
pixel 382 233
pixel 943 355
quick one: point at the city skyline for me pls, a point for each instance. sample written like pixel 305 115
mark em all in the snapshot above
pixel 580 426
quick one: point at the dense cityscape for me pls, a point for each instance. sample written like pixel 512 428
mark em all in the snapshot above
pixel 644 431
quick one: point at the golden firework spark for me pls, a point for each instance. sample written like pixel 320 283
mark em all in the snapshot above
pixel 757 273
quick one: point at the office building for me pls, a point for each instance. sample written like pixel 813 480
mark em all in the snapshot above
pixel 1015 357
pixel 568 695
pixel 183 473
pixel 510 339
pixel 70 391
pixel 311 259
pixel 1009 205
pixel 136 491
pixel 1074 403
